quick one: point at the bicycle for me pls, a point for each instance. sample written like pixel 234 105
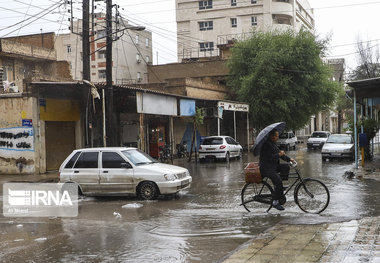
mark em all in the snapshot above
pixel 311 195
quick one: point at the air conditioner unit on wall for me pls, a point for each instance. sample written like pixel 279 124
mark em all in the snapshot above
pixel 212 112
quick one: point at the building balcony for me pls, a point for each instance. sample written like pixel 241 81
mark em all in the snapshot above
pixel 282 8
pixel 15 49
pixel 281 27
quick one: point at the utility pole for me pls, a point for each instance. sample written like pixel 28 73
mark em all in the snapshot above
pixel 86 40
pixel 86 59
pixel 109 96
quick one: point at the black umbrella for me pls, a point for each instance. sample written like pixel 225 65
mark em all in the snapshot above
pixel 263 136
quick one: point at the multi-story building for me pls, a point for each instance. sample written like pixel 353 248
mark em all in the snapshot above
pixel 131 52
pixel 202 25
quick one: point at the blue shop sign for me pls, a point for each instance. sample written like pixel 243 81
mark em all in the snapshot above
pixel 27 122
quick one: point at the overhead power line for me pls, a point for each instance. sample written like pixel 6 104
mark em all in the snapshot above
pixel 36 17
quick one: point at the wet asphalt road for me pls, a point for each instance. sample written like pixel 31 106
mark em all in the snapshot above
pixel 202 224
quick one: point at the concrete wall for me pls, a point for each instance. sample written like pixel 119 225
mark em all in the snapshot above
pixel 20 70
pixel 27 50
pixel 20 160
pixel 161 73
pixel 45 40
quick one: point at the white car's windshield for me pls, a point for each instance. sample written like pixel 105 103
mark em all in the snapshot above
pixel 138 157
pixel 283 136
pixel 339 139
pixel 319 135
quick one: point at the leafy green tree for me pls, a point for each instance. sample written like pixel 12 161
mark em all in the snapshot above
pixel 282 77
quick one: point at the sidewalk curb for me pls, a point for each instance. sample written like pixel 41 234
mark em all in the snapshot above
pixel 351 241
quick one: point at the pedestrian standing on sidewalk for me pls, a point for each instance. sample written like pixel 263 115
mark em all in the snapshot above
pixel 270 167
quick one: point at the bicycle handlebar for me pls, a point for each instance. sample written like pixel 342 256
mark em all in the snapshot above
pixel 293 164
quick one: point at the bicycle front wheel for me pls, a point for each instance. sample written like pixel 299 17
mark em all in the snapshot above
pixel 312 196
pixel 256 197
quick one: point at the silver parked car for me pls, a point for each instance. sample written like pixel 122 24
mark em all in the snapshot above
pixel 338 146
pixel 287 140
pixel 317 139
pixel 220 147
pixel 122 171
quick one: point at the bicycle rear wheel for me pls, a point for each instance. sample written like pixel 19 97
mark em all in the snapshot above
pixel 312 196
pixel 256 197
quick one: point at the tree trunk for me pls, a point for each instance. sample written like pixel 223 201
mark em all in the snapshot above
pixel 192 145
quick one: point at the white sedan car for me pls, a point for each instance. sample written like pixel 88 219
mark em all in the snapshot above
pixel 121 171
pixel 338 146
pixel 220 147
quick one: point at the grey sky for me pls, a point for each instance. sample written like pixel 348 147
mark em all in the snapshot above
pixel 344 20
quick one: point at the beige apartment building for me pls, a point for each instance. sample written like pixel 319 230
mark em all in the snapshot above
pixel 202 25
pixel 131 52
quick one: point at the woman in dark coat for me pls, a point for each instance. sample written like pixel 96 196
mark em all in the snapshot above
pixel 270 165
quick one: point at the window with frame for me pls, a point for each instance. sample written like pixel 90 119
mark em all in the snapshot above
pixel 233 2
pixel 232 141
pixel 68 48
pixel 139 77
pixel 253 1
pixel 87 160
pixel 205 4
pixel 102 74
pixel 206 25
pixel 228 140
pixel 137 39
pixel 147 59
pixel 254 20
pixel 112 160
pixel 206 46
pixel 101 54
pixel 138 60
pixel 101 33
pixel 147 42
pixel 72 161
pixel 234 22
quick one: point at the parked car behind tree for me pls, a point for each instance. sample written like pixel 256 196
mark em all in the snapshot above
pixel 317 139
pixel 287 140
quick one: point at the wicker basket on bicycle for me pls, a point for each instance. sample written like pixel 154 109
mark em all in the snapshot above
pixel 252 173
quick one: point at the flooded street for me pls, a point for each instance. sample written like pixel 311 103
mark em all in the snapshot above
pixel 201 224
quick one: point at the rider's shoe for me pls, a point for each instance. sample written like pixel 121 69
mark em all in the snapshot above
pixel 277 205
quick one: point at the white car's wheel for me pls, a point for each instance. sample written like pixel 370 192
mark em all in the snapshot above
pixel 148 191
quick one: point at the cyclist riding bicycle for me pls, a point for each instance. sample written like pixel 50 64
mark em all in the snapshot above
pixel 270 167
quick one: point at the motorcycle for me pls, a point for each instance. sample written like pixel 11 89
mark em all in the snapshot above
pixel 166 155
pixel 182 150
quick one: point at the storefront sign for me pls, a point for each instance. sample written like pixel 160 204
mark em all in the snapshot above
pixel 230 106
pixel 156 104
pixel 27 123
pixel 187 107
